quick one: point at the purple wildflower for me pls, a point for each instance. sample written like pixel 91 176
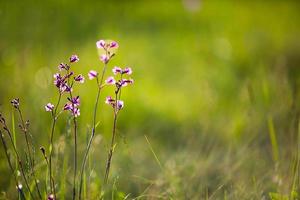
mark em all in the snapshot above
pixel 113 44
pixel 109 100
pixel 112 102
pixel 49 107
pixel 68 106
pixel 110 80
pixel 63 66
pixel 127 70
pixel 51 197
pixel 15 102
pixel 92 74
pixel 75 101
pixel 79 78
pixel 104 58
pixel 74 58
pixel 120 104
pixel 100 44
pixel 117 70
pixel 76 112
pixel 125 82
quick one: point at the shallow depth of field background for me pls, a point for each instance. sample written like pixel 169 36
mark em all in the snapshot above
pixel 213 81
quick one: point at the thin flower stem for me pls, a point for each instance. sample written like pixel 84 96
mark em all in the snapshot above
pixel 18 158
pixel 52 183
pixel 10 165
pixel 93 129
pixel 75 140
pixel 112 145
pixel 31 159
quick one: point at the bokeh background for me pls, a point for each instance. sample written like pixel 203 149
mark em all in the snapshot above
pixel 216 92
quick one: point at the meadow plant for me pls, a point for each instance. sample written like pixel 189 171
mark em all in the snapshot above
pixel 65 80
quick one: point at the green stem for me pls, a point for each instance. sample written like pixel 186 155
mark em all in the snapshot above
pixel 93 130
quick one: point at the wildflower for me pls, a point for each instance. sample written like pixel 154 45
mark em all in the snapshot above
pixel 127 70
pixel 79 78
pixel 75 101
pixel 15 102
pixel 68 106
pixel 92 74
pixel 100 44
pixel 76 112
pixel 109 100
pixel 62 66
pixel 112 102
pixel 110 80
pixel 125 82
pixel 116 70
pixel 49 107
pixel 119 70
pixel 113 44
pixel 104 58
pixel 51 197
pixel 74 58
pixel 120 104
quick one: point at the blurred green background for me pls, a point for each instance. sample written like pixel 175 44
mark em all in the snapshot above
pixel 214 80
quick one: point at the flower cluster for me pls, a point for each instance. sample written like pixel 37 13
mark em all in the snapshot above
pixel 64 82
pixel 72 105
pixel 121 82
pixel 109 48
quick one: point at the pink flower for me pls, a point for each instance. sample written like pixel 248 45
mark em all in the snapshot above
pixel 100 44
pixel 116 70
pixel 104 58
pixel 49 107
pixel 92 74
pixel 114 44
pixel 110 80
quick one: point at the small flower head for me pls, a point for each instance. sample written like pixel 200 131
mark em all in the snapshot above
pixel 79 78
pixel 74 58
pixel 117 70
pixel 51 197
pixel 127 70
pixel 68 106
pixel 15 102
pixel 110 80
pixel 100 44
pixel 104 58
pixel 76 112
pixel 113 44
pixel 49 107
pixel 63 66
pixel 92 74
pixel 125 82
pixel 75 101
pixel 120 104
pixel 109 100
pixel 112 102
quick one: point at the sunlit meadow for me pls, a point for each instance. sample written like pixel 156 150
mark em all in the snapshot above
pixel 175 99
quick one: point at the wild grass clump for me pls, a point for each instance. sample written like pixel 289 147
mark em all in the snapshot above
pixel 40 173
